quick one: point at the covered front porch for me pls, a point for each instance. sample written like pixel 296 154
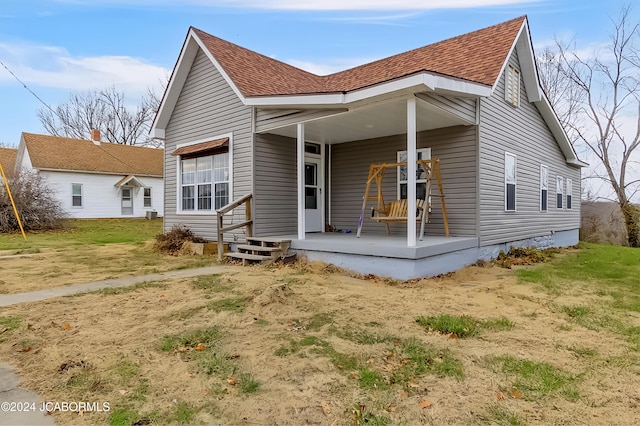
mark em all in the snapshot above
pixel 318 180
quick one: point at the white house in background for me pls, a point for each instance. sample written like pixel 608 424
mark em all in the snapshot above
pixel 94 179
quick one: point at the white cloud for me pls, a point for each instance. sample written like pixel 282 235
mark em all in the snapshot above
pixel 395 19
pixel 54 67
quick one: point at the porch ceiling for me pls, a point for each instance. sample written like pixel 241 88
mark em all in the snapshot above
pixel 370 122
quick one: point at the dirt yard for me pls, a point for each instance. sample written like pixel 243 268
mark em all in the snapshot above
pixel 307 344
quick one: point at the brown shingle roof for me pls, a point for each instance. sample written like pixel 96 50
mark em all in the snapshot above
pixel 255 74
pixel 477 56
pixel 8 158
pixel 52 152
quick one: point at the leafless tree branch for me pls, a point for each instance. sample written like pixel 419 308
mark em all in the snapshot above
pixel 106 110
pixel 593 97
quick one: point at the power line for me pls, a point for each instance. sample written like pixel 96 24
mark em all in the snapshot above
pixel 28 89
pixel 56 114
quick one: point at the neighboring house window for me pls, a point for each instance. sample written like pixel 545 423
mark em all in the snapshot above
pixel 569 193
pixel 421 178
pixel 512 86
pixel 205 182
pixel 509 182
pixel 147 197
pixel 559 189
pixel 76 195
pixel 544 188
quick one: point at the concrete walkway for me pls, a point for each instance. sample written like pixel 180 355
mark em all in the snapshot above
pixel 35 296
pixel 25 399
pixel 27 406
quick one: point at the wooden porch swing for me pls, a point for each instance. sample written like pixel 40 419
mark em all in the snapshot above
pixel 396 211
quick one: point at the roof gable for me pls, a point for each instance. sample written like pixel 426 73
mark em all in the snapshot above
pixel 58 153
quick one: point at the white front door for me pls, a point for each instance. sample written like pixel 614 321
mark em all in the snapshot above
pixel 127 201
pixel 313 194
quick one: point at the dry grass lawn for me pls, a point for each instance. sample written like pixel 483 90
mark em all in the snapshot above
pixel 309 344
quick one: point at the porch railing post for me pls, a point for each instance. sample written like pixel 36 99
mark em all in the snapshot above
pixel 411 171
pixel 219 218
pixel 300 162
pixel 247 216
pixel 246 200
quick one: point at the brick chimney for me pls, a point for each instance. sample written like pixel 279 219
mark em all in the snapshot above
pixel 95 136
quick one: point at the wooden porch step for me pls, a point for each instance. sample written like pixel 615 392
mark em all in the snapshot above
pixel 258 248
pixel 248 257
pixel 261 249
pixel 267 241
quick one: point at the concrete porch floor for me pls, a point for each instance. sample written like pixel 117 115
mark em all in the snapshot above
pixel 380 245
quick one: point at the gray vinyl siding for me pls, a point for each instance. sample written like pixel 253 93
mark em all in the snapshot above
pixel 276 191
pixel 462 107
pixel 267 119
pixel 456 148
pixel 207 107
pixel 520 131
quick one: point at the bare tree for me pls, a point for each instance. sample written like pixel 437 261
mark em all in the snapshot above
pixel 106 110
pixel 596 97
pixel 36 204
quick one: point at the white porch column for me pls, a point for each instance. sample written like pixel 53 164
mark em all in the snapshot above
pixel 300 152
pixel 411 171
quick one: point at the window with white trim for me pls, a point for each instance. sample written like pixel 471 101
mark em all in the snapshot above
pixel 569 193
pixel 147 197
pixel 76 195
pixel 559 191
pixel 204 182
pixel 510 180
pixel 512 86
pixel 544 188
pixel 421 178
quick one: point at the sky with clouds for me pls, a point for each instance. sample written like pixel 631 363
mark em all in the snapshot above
pixel 56 47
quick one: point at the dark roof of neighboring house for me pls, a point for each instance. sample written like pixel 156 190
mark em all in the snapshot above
pixel 58 153
pixel 8 158
pixel 477 57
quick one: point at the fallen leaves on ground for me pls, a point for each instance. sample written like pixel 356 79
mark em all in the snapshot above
pixel 425 404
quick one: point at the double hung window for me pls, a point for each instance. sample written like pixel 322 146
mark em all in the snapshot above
pixel 559 191
pixel 147 197
pixel 544 188
pixel 510 180
pixel 76 195
pixel 421 178
pixel 204 182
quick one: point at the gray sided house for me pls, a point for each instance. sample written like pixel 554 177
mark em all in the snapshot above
pixel 235 122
